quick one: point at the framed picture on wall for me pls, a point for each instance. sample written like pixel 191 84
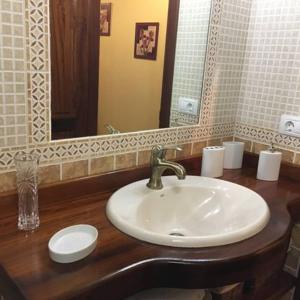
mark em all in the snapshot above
pixel 105 19
pixel 146 40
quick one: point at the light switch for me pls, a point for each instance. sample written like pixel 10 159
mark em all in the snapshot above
pixel 290 125
pixel 188 106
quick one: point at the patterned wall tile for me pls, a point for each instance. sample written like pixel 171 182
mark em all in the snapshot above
pixel 7 157
pixel 39 68
pixel 146 140
pixel 105 145
pixel 210 63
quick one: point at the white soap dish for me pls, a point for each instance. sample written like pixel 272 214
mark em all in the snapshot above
pixel 73 243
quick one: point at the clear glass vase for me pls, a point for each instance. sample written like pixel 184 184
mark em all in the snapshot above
pixel 27 185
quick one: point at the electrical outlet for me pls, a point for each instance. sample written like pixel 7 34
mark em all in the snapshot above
pixel 188 106
pixel 290 125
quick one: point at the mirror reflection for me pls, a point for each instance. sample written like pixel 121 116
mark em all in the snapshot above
pixel 126 65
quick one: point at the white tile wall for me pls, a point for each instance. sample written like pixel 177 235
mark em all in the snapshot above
pixel 270 83
pixel 190 55
pixel 13 79
pixel 231 50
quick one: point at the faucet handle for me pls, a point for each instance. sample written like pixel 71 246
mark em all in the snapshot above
pixel 160 151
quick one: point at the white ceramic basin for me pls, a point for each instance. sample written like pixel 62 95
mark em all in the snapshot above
pixel 195 212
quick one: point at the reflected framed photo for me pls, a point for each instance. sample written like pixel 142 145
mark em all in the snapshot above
pixel 146 40
pixel 105 19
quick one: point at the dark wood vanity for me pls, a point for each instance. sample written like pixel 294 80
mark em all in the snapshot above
pixel 122 265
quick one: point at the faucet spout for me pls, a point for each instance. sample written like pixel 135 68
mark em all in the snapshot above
pixel 178 169
pixel 159 165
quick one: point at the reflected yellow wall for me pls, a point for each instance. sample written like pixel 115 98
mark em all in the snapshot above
pixel 130 89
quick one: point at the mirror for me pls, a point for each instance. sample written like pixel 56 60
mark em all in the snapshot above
pixel 126 65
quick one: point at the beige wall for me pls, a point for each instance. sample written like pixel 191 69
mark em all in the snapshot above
pixel 130 89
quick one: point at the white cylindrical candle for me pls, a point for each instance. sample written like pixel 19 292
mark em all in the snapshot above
pixel 213 161
pixel 234 152
pixel 269 165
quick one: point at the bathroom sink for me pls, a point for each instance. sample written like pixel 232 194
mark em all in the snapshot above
pixel 195 212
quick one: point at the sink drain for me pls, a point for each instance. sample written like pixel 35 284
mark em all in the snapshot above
pixel 176 234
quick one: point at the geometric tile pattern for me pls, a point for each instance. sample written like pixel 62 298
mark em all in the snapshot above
pixel 266 136
pixel 39 69
pixel 210 64
pixel 87 148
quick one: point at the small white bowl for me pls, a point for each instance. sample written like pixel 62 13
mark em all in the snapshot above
pixel 73 243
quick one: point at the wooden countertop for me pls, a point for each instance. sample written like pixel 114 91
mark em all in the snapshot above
pixel 122 265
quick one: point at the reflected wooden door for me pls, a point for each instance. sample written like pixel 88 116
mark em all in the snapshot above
pixel 75 28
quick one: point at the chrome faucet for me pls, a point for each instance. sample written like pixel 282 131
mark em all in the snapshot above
pixel 159 164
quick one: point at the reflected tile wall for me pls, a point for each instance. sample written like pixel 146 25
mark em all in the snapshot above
pixel 190 56
pixel 230 57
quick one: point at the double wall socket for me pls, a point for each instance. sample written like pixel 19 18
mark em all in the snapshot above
pixel 290 125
